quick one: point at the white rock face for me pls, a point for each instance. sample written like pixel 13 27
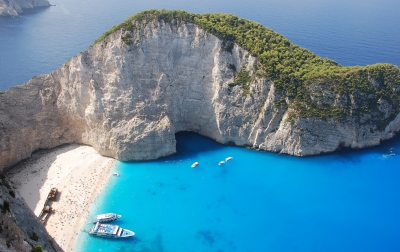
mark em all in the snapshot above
pixel 15 7
pixel 128 101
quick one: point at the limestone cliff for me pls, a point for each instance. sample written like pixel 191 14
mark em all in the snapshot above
pixel 128 95
pixel 15 7
pixel 20 230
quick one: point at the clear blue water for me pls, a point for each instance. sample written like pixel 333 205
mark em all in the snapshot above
pixel 348 201
pixel 356 32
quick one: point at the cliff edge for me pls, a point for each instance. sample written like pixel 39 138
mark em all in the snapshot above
pixel 15 7
pixel 162 72
pixel 20 229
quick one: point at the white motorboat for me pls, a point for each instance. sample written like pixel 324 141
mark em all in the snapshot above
pixel 106 217
pixel 110 231
pixel 228 158
pixel 195 164
pixel 221 162
pixel 116 174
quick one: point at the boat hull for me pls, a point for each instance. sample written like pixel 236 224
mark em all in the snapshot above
pixel 106 218
pixel 115 237
pixel 127 233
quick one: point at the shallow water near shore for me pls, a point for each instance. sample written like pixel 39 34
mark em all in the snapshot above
pixel 258 201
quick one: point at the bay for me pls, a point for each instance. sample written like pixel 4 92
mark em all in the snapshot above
pixel 347 201
pixel 258 201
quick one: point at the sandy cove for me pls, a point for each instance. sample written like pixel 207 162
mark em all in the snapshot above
pixel 78 172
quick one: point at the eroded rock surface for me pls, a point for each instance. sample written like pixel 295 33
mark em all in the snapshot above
pixel 129 94
pixel 15 7
pixel 20 228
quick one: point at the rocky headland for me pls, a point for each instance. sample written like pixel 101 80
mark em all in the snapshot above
pixel 15 7
pixel 230 79
pixel 162 72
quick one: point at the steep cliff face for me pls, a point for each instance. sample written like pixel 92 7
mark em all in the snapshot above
pixel 20 228
pixel 15 7
pixel 130 93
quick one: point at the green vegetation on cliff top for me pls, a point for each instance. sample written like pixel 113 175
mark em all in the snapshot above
pixel 295 71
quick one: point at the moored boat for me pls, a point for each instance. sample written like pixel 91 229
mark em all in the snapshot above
pixel 228 158
pixel 106 217
pixel 110 231
pixel 195 164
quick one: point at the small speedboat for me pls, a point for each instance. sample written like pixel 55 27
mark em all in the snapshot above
pixel 221 163
pixel 228 158
pixel 116 174
pixel 195 164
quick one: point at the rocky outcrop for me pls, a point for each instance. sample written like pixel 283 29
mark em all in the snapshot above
pixel 130 93
pixel 15 7
pixel 20 230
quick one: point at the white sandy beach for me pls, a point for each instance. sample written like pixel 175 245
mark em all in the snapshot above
pixel 78 172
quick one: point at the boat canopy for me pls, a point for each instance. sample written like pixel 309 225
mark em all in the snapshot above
pixel 105 216
pixel 108 229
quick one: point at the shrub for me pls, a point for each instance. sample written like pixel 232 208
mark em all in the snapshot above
pixel 34 236
pixel 37 249
pixel 293 69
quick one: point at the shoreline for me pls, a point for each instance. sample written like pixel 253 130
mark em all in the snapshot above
pixel 78 172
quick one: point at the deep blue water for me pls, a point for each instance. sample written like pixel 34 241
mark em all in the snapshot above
pixel 348 201
pixel 356 32
pixel 258 201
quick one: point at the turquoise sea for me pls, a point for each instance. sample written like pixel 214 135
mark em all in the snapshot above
pixel 347 201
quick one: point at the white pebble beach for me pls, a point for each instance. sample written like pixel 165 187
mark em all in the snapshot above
pixel 78 172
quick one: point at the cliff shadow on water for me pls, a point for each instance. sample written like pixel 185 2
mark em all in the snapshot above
pixel 130 108
pixel 385 149
pixel 190 144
